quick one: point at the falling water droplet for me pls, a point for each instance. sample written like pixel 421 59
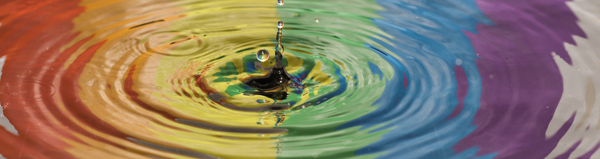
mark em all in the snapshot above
pixel 316 20
pixel 279 47
pixel 458 62
pixel 262 55
pixel 280 2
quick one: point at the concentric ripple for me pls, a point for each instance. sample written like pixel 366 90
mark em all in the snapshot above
pixel 165 79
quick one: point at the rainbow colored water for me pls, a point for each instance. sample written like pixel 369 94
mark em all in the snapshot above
pixel 370 79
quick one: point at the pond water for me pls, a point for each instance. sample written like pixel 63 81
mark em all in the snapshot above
pixel 360 79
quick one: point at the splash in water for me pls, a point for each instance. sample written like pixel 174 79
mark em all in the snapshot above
pixel 273 84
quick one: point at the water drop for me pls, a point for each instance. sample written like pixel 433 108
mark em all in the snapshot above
pixel 458 62
pixel 280 2
pixel 262 55
pixel 280 24
pixel 316 20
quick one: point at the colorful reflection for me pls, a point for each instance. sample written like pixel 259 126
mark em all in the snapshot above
pixel 369 79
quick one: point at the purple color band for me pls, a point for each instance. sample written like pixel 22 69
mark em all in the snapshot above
pixel 521 83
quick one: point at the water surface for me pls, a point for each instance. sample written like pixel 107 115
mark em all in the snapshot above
pixel 370 79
